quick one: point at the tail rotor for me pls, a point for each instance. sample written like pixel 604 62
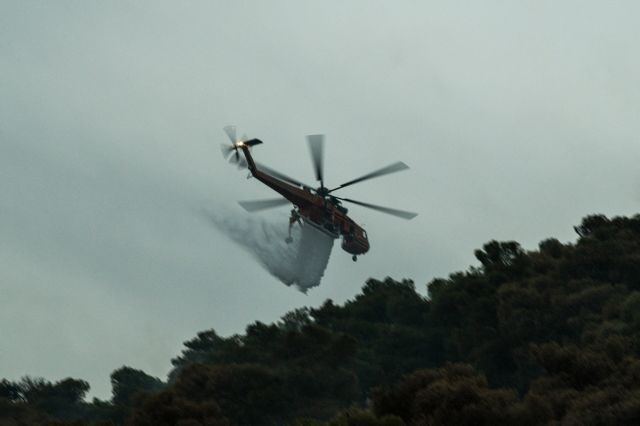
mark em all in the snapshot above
pixel 230 152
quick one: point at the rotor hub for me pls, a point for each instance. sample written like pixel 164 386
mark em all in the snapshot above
pixel 322 191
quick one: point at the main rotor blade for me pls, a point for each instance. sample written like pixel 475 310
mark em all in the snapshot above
pixel 254 206
pixel 279 175
pixel 231 133
pixel 391 168
pixel 395 212
pixel 316 145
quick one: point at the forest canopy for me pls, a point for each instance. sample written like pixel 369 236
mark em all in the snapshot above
pixel 528 337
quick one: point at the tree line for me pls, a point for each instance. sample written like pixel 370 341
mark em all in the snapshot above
pixel 545 336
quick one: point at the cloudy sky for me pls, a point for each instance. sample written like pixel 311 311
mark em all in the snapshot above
pixel 517 119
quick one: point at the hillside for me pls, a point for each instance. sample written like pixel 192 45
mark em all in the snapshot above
pixel 528 337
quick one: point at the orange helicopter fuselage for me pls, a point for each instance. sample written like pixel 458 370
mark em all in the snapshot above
pixel 325 213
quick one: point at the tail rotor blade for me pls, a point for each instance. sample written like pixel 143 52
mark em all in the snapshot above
pixel 226 150
pixel 395 212
pixel 257 205
pixel 234 159
pixel 242 163
pixel 391 168
pixel 231 133
pixel 316 145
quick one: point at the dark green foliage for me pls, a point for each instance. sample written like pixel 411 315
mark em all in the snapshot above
pixel 14 413
pixel 128 386
pixel 10 391
pixel 126 382
pixel 454 394
pixel 62 400
pixel 191 400
pixel 353 417
pixel 542 337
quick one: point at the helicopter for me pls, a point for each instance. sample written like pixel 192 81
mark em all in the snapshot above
pixel 317 207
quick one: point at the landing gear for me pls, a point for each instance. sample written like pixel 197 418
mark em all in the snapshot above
pixel 354 258
pixel 295 217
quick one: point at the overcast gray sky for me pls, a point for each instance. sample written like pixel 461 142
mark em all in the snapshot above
pixel 517 119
